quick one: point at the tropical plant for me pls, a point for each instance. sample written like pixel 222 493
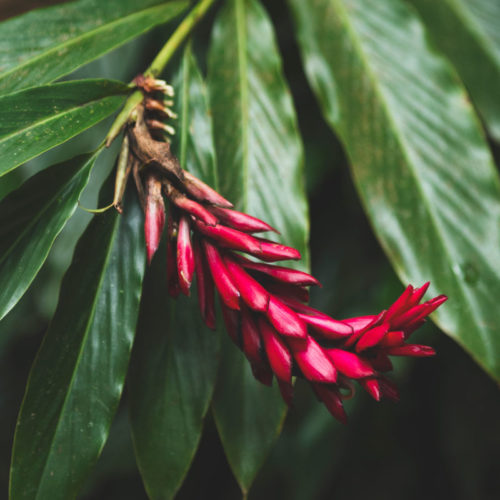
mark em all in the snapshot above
pixel 410 89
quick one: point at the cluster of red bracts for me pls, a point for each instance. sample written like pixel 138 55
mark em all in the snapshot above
pixel 263 304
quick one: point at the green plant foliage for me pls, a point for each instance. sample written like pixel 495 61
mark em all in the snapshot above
pixel 403 85
pixel 467 32
pixel 171 388
pixel 259 155
pixel 77 379
pixel 41 46
pixel 30 219
pixel 430 189
pixel 35 120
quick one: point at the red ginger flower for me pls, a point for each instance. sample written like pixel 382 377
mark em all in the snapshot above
pixel 263 304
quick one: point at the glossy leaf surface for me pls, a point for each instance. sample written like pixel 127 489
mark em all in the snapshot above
pixel 467 31
pixel 76 381
pixel 259 157
pixel 175 356
pixel 30 220
pixel 35 120
pixel 419 159
pixel 41 46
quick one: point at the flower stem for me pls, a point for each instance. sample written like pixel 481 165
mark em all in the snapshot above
pixel 179 35
pixel 159 63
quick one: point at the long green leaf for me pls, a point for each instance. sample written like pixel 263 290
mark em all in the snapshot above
pixel 77 377
pixel 259 156
pixel 30 219
pixel 176 356
pixel 420 162
pixel 43 45
pixel 468 32
pixel 171 382
pixel 35 120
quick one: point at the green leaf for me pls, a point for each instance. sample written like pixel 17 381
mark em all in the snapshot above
pixel 10 182
pixel 171 381
pixel 249 416
pixel 77 378
pixel 43 45
pixel 419 159
pixel 467 31
pixel 30 220
pixel 259 155
pixel 175 356
pixel 35 120
pixel 193 142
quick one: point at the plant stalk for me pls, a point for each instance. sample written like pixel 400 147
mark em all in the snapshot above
pixel 178 36
pixel 159 63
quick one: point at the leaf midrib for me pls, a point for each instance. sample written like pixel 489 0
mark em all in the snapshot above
pixel 78 39
pixel 472 25
pixel 358 44
pixel 46 206
pixel 185 107
pixel 48 119
pixel 109 250
pixel 241 44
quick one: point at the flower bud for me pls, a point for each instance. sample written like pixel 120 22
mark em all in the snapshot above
pixel 372 387
pixel 413 350
pixel 172 276
pixel 283 274
pixel 388 389
pixel 271 252
pixel 322 323
pixel 203 192
pixel 252 292
pixel 330 396
pixel 286 292
pixel 240 221
pixel 185 255
pixel 372 337
pixel 223 281
pixel 400 304
pixel 380 361
pixel 154 215
pixel 278 354
pixel 194 208
pixel 250 337
pixel 285 320
pixel 205 287
pixel 312 360
pixel 230 238
pixel 392 339
pixel 232 320
pixel 349 364
pixel 362 326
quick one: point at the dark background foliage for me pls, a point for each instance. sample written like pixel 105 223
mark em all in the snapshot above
pixel 441 441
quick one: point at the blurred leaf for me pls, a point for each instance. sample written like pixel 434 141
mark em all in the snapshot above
pixel 249 416
pixel 193 144
pixel 176 356
pixel 30 220
pixel 35 120
pixel 10 182
pixel 309 432
pixel 420 162
pixel 468 32
pixel 259 155
pixel 171 382
pixel 77 378
pixel 41 46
